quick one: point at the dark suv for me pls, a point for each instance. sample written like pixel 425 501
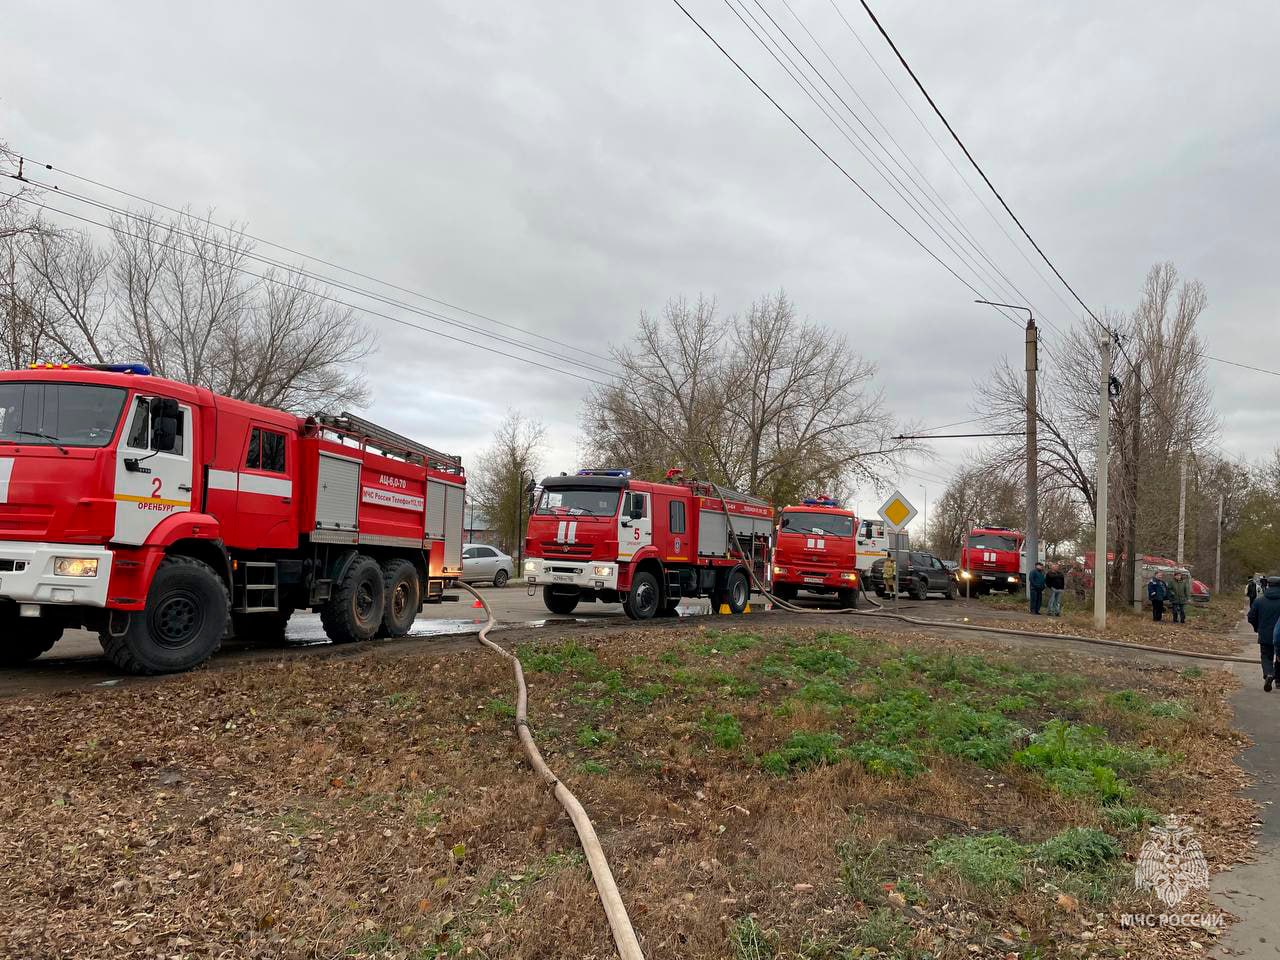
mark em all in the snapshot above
pixel 918 573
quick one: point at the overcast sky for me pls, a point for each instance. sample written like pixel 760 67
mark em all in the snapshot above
pixel 564 165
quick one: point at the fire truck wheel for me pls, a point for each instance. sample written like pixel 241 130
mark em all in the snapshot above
pixel 354 611
pixel 188 608
pixel 561 603
pixel 263 629
pixel 848 599
pixel 403 597
pixel 645 597
pixel 737 592
pixel 25 639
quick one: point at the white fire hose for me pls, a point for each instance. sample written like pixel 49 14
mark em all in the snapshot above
pixel 624 936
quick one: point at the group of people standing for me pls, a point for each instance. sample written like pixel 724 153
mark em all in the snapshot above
pixel 1176 593
pixel 1053 582
pixel 1264 617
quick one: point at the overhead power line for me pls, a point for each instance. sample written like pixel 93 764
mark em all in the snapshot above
pixel 982 173
pixel 321 260
pixel 822 150
pixel 318 277
pixel 266 278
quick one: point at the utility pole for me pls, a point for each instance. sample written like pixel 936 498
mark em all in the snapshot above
pixel 1033 459
pixel 1217 562
pixel 1032 542
pixel 1131 503
pixel 1182 508
pixel 1100 492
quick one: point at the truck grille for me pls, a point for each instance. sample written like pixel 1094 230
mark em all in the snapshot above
pixel 13 566
pixel 566 551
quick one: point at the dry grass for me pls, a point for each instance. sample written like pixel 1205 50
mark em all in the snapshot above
pixel 379 808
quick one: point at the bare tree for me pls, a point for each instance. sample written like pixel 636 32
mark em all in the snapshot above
pixel 496 482
pixel 765 403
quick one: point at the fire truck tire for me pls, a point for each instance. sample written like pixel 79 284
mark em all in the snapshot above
pixel 403 598
pixel 848 599
pixel 645 597
pixel 263 629
pixel 561 603
pixel 24 639
pixel 354 611
pixel 737 592
pixel 188 608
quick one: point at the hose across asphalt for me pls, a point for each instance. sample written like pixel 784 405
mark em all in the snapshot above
pixel 882 613
pixel 624 936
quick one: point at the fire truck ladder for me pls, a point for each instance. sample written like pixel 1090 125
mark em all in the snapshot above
pixel 349 426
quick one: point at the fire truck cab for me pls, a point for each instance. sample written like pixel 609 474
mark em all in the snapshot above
pixel 995 558
pixel 601 536
pixel 817 550
pixel 165 517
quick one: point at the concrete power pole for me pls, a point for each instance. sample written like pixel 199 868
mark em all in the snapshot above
pixel 1182 509
pixel 1033 489
pixel 1100 492
pixel 1217 562
pixel 1130 572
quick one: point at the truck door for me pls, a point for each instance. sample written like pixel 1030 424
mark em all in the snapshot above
pixel 150 484
pixel 635 525
pixel 264 504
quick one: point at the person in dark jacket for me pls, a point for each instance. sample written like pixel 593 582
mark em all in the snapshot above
pixel 1264 614
pixel 1055 581
pixel 1035 587
pixel 1251 591
pixel 1179 596
pixel 1157 593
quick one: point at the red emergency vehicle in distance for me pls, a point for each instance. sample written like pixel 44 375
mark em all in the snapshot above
pixel 992 559
pixel 601 536
pixel 817 550
pixel 164 516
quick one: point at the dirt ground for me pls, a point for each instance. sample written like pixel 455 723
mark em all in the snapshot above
pixel 768 787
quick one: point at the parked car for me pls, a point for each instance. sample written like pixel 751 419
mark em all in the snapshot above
pixel 919 574
pixel 481 563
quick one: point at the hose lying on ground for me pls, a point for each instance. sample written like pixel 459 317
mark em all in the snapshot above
pixel 624 937
pixel 882 613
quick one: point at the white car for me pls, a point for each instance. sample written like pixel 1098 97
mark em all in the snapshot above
pixel 482 563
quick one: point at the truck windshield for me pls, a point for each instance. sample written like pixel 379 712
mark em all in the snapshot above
pixel 994 541
pixel 579 502
pixel 825 524
pixel 49 414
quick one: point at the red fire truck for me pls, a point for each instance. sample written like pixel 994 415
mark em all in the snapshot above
pixel 601 536
pixel 993 559
pixel 817 550
pixel 165 517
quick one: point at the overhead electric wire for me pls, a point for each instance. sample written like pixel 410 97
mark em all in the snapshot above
pixel 322 296
pixel 317 277
pixel 822 150
pixel 1008 288
pixel 321 260
pixel 831 112
pixel 982 173
pixel 947 156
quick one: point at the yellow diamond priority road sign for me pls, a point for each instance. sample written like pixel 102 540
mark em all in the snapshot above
pixel 897 512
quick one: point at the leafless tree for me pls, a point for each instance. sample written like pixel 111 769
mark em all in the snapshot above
pixel 496 482
pixel 178 294
pixel 765 402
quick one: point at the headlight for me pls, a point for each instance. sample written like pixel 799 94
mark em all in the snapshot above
pixel 531 566
pixel 852 575
pixel 1013 579
pixel 777 571
pixel 75 567
pixel 605 571
pixel 966 574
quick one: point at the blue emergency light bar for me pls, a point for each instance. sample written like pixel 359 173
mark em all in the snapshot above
pixel 604 473
pixel 821 502
pixel 140 369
